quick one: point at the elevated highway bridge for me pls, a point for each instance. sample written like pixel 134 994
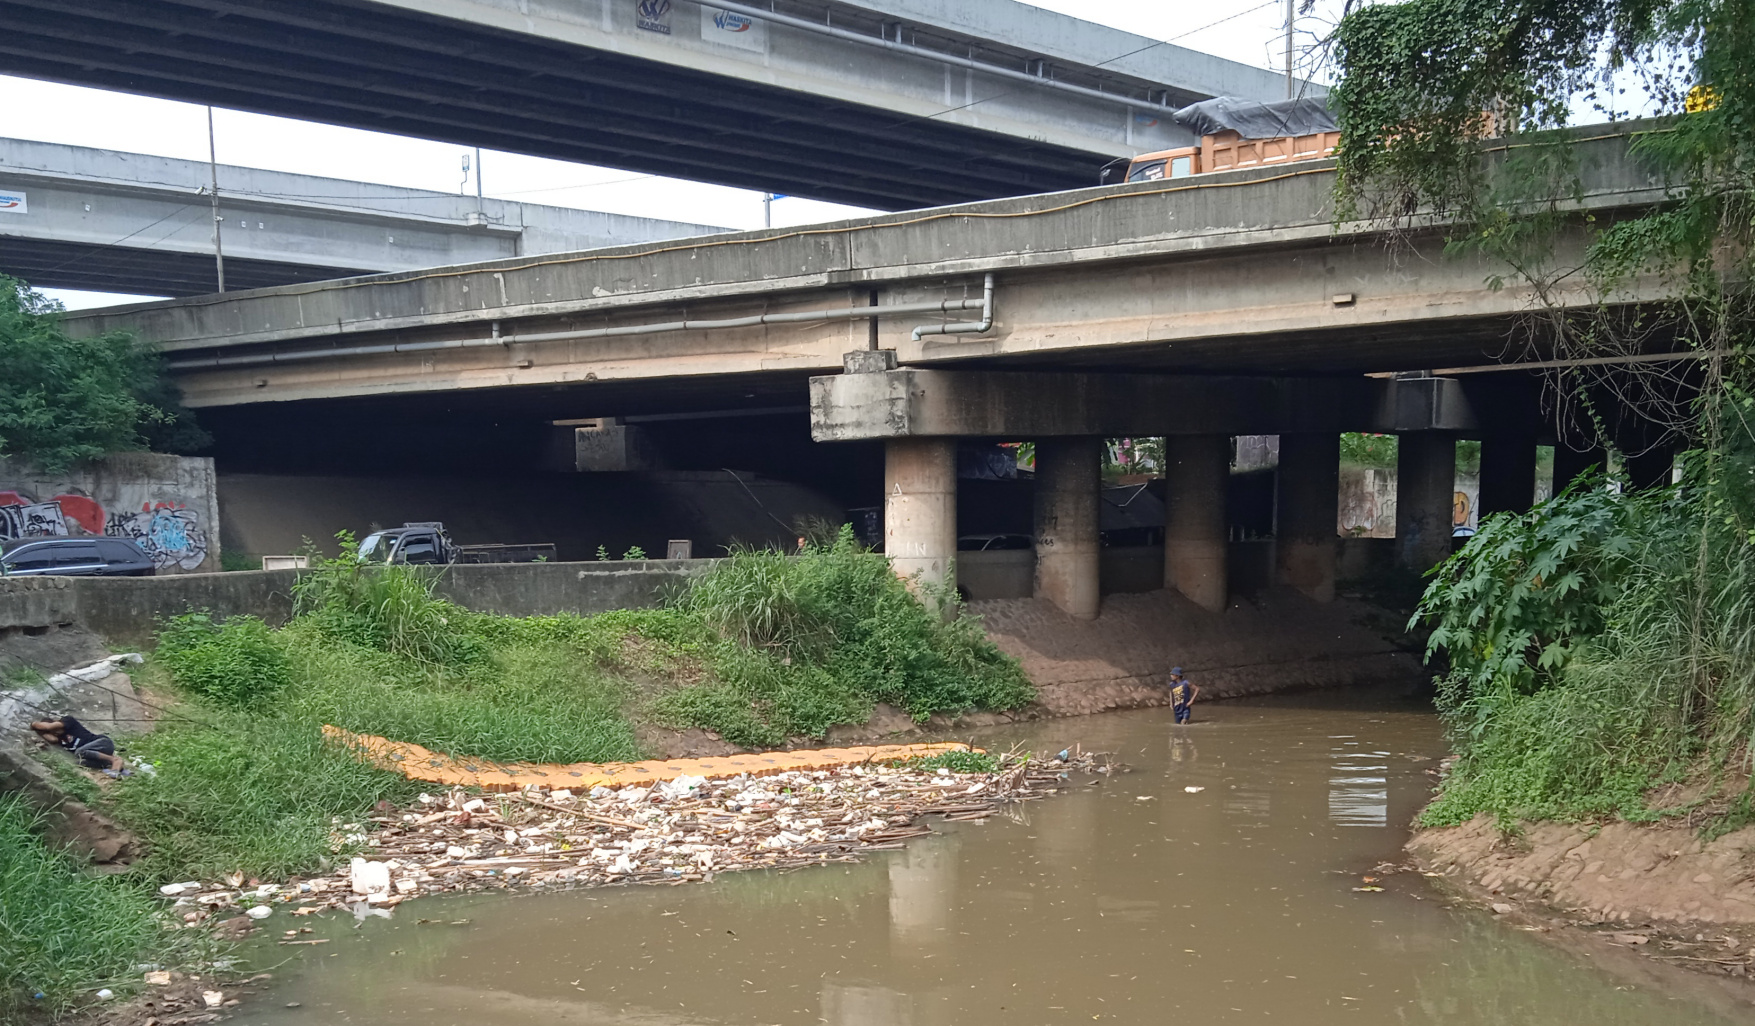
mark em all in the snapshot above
pixel 887 105
pixel 1196 309
pixel 135 223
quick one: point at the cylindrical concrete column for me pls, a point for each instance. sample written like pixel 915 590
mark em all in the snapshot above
pixel 920 508
pixel 1508 474
pixel 1425 489
pixel 1068 475
pixel 1570 462
pixel 1197 475
pixel 1652 468
pixel 1309 501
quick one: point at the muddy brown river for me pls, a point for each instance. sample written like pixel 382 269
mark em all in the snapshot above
pixel 1130 900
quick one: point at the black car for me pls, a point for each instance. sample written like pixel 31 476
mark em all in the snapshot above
pixel 82 557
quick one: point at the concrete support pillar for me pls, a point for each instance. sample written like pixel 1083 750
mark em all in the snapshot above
pixel 1197 476
pixel 1068 476
pixel 1570 462
pixel 920 508
pixel 1650 469
pixel 1309 500
pixel 1508 474
pixel 1424 491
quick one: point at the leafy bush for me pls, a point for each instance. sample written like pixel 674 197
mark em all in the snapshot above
pixel 391 608
pixel 235 663
pixel 65 400
pixel 957 761
pixel 1599 645
pixel 815 639
pixel 62 933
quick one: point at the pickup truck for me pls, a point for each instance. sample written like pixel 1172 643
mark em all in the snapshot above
pixel 427 544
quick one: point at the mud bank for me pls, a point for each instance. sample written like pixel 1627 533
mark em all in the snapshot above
pixel 1657 889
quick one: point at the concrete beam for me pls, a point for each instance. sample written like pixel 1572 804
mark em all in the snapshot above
pixel 1234 273
pixel 1014 404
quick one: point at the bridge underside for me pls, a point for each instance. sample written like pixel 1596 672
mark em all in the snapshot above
pixel 151 272
pixel 386 69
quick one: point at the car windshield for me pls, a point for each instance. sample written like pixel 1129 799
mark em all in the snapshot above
pixel 376 547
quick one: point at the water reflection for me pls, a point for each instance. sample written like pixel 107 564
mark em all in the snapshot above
pixel 1358 790
pixel 1095 905
pixel 865 1004
pixel 923 886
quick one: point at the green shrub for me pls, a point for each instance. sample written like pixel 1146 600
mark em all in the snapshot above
pixel 957 761
pixel 62 933
pixel 237 663
pixel 812 640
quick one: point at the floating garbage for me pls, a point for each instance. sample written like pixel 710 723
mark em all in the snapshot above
pixel 672 832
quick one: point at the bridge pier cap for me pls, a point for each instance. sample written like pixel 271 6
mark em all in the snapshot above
pixel 1013 405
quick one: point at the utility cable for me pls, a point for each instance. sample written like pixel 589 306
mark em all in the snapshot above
pixel 788 528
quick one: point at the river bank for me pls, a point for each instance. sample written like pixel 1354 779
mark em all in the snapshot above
pixel 1655 888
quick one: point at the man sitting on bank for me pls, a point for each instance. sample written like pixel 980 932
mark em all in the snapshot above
pixel 94 750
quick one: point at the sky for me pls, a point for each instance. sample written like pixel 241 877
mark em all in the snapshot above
pixel 1247 31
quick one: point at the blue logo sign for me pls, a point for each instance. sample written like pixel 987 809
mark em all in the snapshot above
pixel 729 22
pixel 653 16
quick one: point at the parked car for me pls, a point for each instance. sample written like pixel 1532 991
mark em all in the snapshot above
pixel 74 557
pixel 427 543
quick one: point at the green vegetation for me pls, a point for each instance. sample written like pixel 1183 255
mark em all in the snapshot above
pixel 63 934
pixel 963 761
pixel 65 400
pixel 762 648
pixel 1600 645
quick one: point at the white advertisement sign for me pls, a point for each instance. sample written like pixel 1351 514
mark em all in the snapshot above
pixel 12 203
pixel 731 29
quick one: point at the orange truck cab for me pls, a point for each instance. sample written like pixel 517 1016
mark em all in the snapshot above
pixel 1235 134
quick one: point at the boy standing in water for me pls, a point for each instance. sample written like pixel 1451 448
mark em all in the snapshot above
pixel 1183 692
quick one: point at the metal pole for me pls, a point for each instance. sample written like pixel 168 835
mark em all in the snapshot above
pixel 1290 15
pixel 478 178
pixel 767 210
pixel 213 171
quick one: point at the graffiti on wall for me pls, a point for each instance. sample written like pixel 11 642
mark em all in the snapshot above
pixel 168 532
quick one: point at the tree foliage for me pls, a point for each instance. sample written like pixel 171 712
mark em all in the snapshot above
pixel 1603 640
pixel 67 400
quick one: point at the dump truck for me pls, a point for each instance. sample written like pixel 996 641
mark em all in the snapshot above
pixel 426 543
pixel 1235 134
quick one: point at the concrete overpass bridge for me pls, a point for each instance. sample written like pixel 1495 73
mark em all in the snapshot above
pixel 1196 309
pixel 880 103
pixel 129 222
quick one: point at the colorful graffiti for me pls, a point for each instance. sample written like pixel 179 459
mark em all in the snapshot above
pixel 168 532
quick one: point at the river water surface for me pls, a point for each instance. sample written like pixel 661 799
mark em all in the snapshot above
pixel 1128 900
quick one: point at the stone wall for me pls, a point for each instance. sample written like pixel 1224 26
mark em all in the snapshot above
pixel 166 504
pixel 125 611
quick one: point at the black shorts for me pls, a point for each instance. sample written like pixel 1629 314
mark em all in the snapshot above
pixel 88 752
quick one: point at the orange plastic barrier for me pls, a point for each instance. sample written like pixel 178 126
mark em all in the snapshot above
pixel 417 763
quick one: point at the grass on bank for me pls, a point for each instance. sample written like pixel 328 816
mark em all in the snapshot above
pixel 63 934
pixel 763 648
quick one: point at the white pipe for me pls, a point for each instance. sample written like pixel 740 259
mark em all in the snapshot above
pixel 965 327
pixel 499 338
pixel 945 58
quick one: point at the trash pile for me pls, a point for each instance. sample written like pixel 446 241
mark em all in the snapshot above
pixel 672 832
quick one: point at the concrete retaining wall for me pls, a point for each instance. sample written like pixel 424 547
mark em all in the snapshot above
pixel 166 504
pixel 126 610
